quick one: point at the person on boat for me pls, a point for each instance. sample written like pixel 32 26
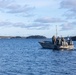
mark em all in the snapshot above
pixel 70 42
pixel 58 41
pixel 54 40
pixel 62 40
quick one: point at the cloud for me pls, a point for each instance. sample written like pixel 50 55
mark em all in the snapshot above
pixel 5 24
pixel 49 20
pixel 14 8
pixel 5 3
pixel 40 3
pixel 70 6
pixel 10 6
pixel 68 26
pixel 11 24
pixel 38 26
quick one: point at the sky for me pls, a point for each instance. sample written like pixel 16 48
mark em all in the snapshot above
pixel 37 17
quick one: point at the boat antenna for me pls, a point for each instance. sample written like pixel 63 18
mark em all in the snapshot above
pixel 56 31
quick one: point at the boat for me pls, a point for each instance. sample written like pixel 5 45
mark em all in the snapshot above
pixel 50 45
pixel 60 43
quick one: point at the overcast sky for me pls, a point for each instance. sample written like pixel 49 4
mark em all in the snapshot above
pixel 37 17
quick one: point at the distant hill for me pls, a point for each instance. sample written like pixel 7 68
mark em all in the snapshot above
pixel 73 38
pixel 36 37
pixel 29 37
pixel 10 37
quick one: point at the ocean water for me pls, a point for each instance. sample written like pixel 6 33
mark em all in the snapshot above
pixel 26 57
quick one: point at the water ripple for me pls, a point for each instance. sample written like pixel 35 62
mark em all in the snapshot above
pixel 25 57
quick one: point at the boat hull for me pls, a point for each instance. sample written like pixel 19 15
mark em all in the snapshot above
pixel 49 45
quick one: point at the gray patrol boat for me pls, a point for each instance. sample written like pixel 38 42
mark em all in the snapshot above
pixel 63 45
pixel 58 43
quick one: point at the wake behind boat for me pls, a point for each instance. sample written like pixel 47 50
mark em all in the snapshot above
pixel 57 43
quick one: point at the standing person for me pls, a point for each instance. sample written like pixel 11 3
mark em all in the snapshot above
pixel 70 42
pixel 58 41
pixel 62 40
pixel 54 40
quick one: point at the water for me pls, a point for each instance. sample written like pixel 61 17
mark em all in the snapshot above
pixel 26 57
